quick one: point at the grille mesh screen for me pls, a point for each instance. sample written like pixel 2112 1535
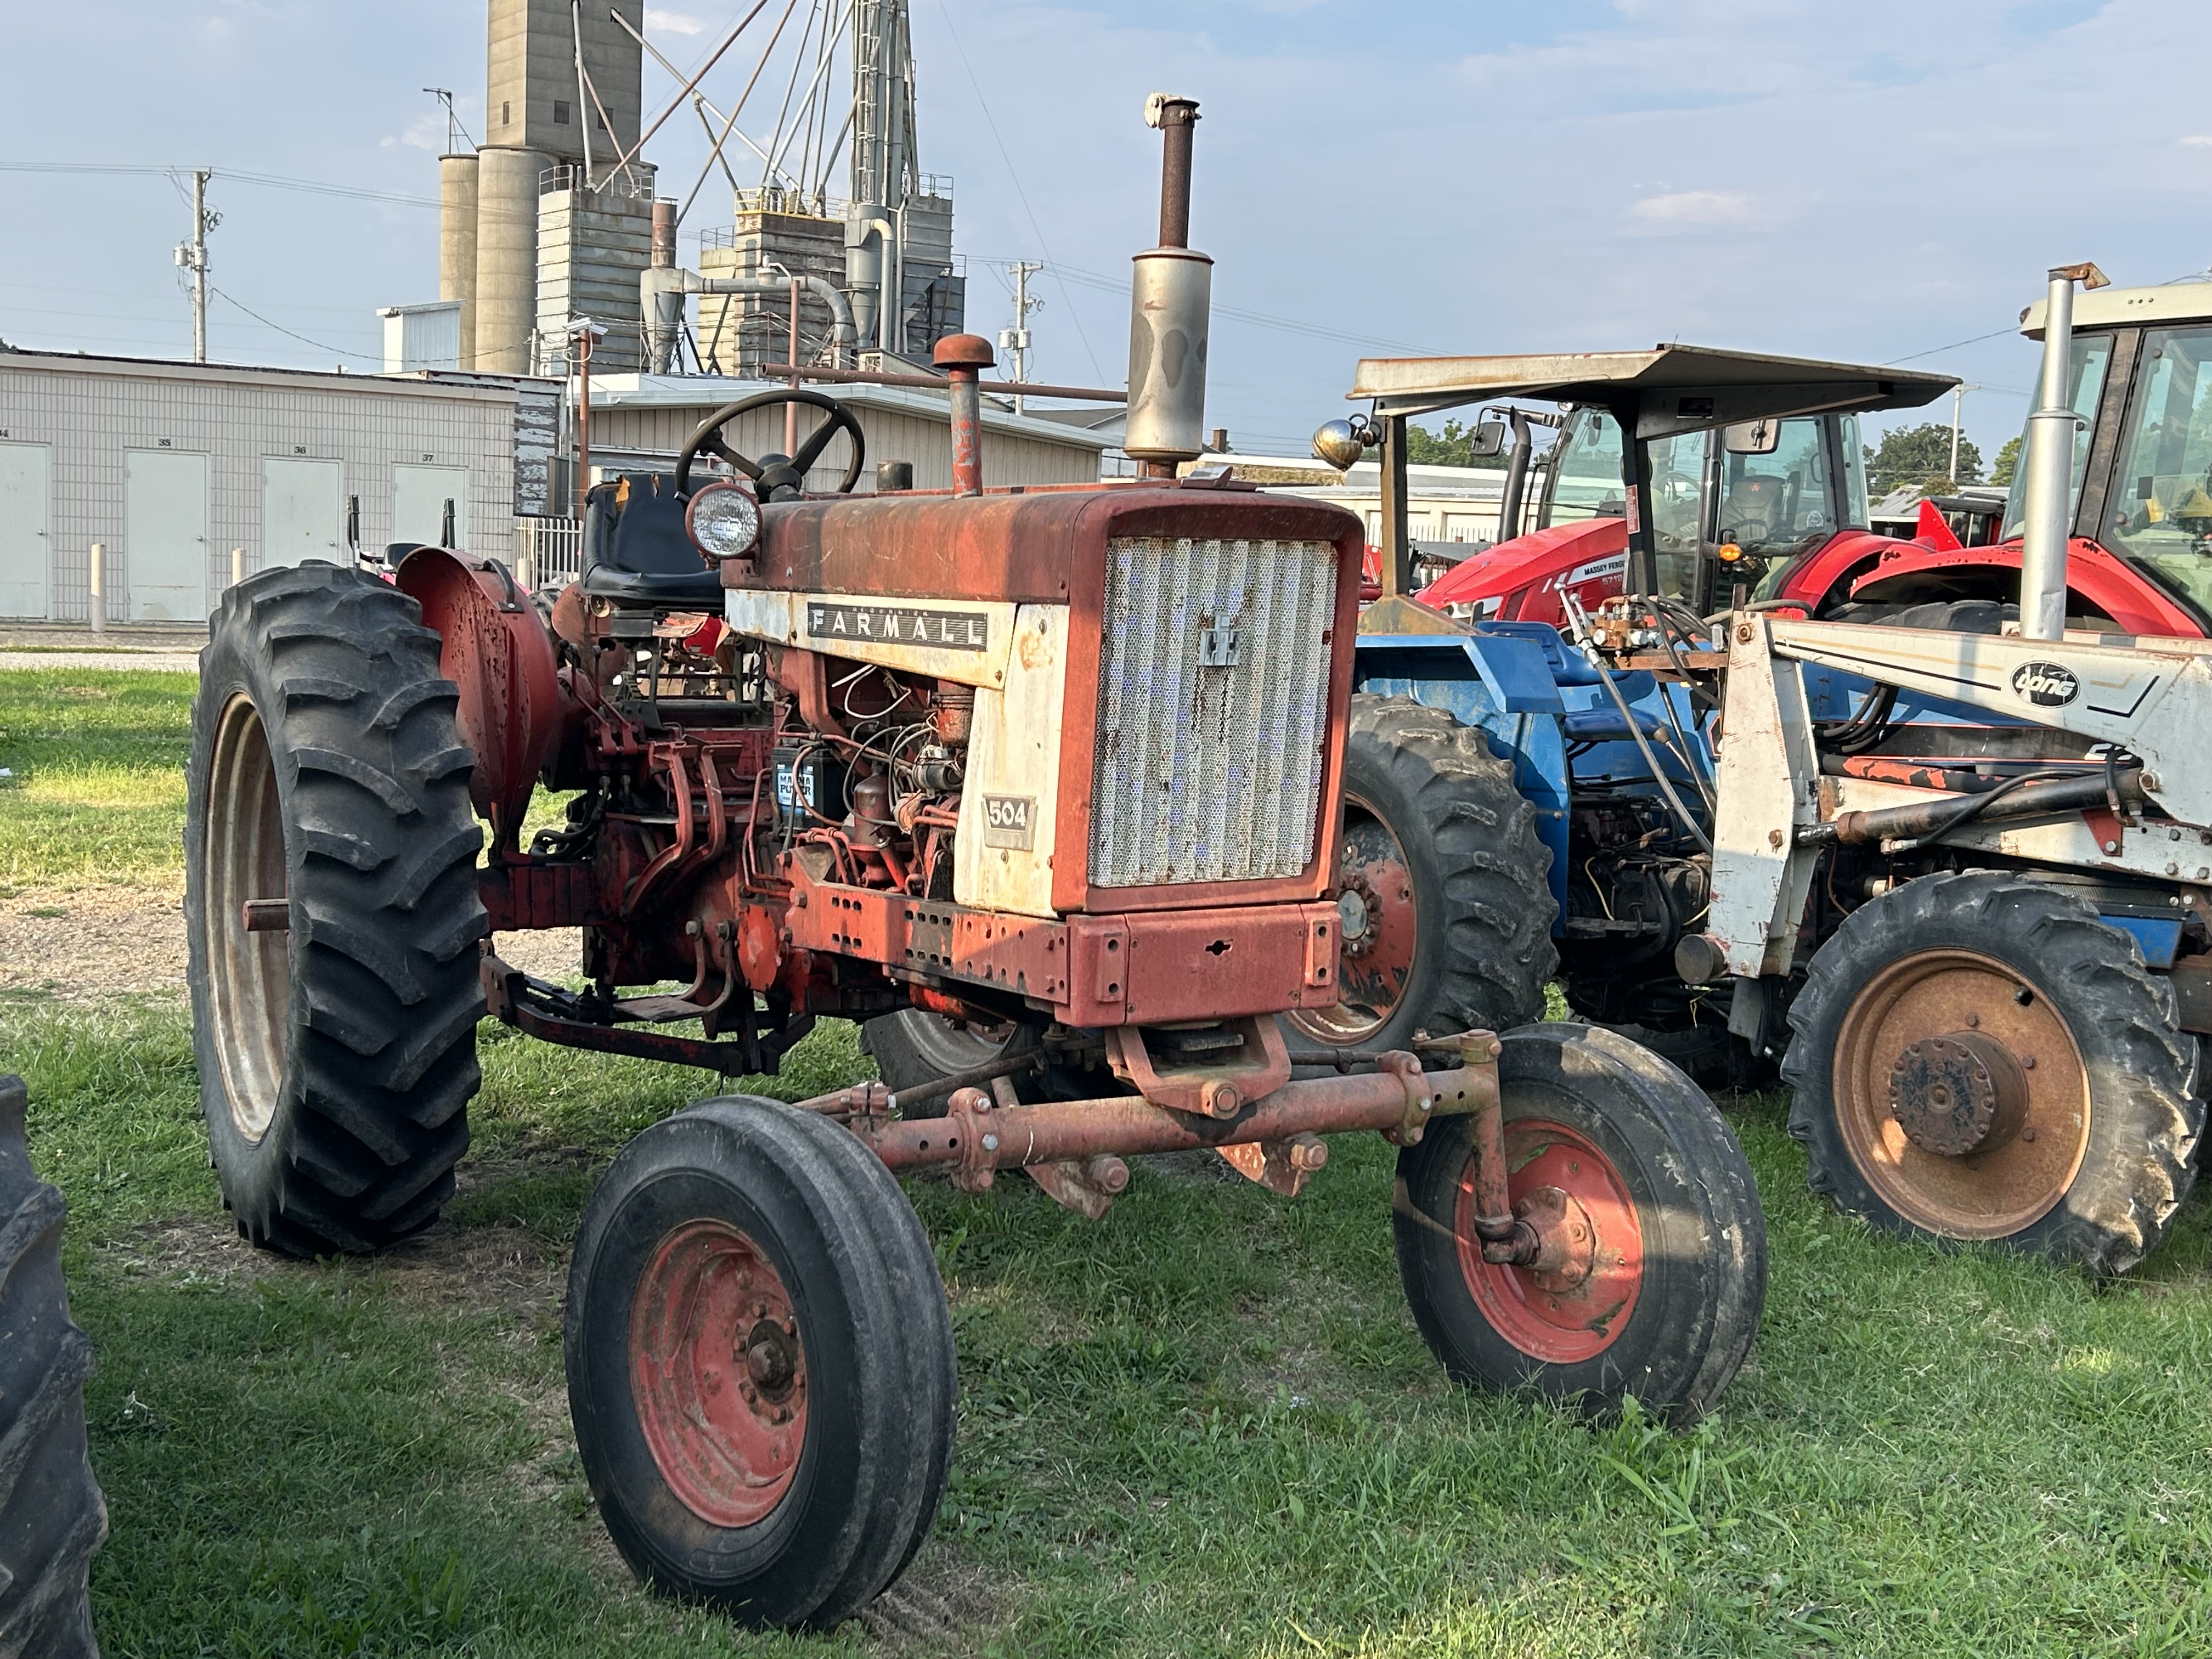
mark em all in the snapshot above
pixel 1213 773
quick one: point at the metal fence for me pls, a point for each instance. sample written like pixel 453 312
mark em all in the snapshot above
pixel 549 552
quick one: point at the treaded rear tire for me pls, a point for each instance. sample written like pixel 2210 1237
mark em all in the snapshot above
pixel 2145 1119
pixel 52 1517
pixel 350 1042
pixel 1481 902
pixel 877 1355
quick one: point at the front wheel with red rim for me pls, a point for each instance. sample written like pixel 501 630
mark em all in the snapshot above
pixel 1655 1268
pixel 760 1364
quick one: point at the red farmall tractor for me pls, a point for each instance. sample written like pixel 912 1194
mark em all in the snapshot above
pixel 1059 764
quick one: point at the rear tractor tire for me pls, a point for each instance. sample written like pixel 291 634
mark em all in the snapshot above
pixel 1447 910
pixel 337 1058
pixel 1665 1307
pixel 52 1514
pixel 1981 1056
pixel 760 1367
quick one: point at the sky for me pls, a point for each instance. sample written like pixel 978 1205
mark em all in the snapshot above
pixel 1883 181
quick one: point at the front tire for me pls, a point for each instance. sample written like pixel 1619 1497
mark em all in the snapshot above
pixel 1981 1056
pixel 1671 1301
pixel 1443 867
pixel 336 1060
pixel 761 1366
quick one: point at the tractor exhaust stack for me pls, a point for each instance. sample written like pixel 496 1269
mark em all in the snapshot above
pixel 1169 309
pixel 2050 483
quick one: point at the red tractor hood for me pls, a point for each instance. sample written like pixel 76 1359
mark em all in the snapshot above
pixel 1527 573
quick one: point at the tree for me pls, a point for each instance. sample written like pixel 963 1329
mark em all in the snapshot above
pixel 1453 447
pixel 1920 455
pixel 2007 463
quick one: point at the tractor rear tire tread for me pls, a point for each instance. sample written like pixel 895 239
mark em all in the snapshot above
pixel 381 856
pixel 2146 1117
pixel 52 1517
pixel 1494 895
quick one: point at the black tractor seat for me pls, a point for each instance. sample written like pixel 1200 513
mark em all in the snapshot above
pixel 636 551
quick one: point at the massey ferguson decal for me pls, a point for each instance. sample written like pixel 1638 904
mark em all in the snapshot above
pixel 895 624
pixel 2046 685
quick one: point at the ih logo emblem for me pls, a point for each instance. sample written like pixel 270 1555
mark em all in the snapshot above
pixel 2046 685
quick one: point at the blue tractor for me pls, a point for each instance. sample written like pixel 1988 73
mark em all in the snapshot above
pixel 1514 812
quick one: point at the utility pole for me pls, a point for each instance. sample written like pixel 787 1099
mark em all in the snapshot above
pixel 1015 341
pixel 192 256
pixel 1957 397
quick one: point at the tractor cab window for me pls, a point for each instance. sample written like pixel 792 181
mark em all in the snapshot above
pixel 1677 468
pixel 1857 513
pixel 2160 515
pixel 2092 356
pixel 1773 505
pixel 1585 481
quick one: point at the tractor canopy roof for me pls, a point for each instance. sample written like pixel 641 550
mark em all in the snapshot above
pixel 1666 390
pixel 2169 302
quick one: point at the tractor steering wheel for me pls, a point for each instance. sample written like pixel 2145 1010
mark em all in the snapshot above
pixel 776 477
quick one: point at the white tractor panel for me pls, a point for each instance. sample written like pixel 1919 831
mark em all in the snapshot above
pixel 26 531
pixel 164 536
pixel 303 510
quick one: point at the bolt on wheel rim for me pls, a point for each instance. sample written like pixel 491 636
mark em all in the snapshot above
pixel 718 1372
pixel 1938 1050
pixel 1557 1313
pixel 1377 943
pixel 249 974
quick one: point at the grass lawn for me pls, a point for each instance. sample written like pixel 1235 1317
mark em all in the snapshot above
pixel 1204 1426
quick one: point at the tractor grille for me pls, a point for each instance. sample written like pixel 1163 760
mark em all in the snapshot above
pixel 1211 769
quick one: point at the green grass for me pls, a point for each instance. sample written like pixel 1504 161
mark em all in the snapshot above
pixel 97 790
pixel 1204 1426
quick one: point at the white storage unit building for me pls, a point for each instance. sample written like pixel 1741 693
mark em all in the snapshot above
pixel 170 466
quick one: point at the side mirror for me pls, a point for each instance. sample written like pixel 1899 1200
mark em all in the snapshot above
pixel 1487 439
pixel 1752 437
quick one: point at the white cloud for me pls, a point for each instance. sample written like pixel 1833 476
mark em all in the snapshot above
pixel 423 132
pixel 1695 207
pixel 2195 138
pixel 672 22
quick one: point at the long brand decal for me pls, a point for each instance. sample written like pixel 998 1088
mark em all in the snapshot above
pixel 891 624
pixel 2046 685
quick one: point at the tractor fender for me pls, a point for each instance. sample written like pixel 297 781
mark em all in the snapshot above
pixel 496 648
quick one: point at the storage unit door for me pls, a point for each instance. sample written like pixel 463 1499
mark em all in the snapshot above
pixel 303 510
pixel 26 542
pixel 420 495
pixel 165 533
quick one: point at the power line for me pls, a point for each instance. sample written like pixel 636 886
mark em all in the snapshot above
pixel 272 181
pixel 1937 351
pixel 1074 314
pixel 361 357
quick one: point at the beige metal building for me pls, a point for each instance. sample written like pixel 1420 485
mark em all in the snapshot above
pixel 171 466
pixel 643 420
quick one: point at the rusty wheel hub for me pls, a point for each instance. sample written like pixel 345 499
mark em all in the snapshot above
pixel 1956 1094
pixel 1961 1095
pixel 1566 1238
pixel 1379 930
pixel 718 1373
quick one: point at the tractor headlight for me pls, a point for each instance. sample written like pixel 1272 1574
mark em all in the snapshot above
pixel 723 520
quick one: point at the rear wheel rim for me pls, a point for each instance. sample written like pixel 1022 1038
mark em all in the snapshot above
pixel 249 974
pixel 718 1373
pixel 1375 962
pixel 2003 1187
pixel 1550 1322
